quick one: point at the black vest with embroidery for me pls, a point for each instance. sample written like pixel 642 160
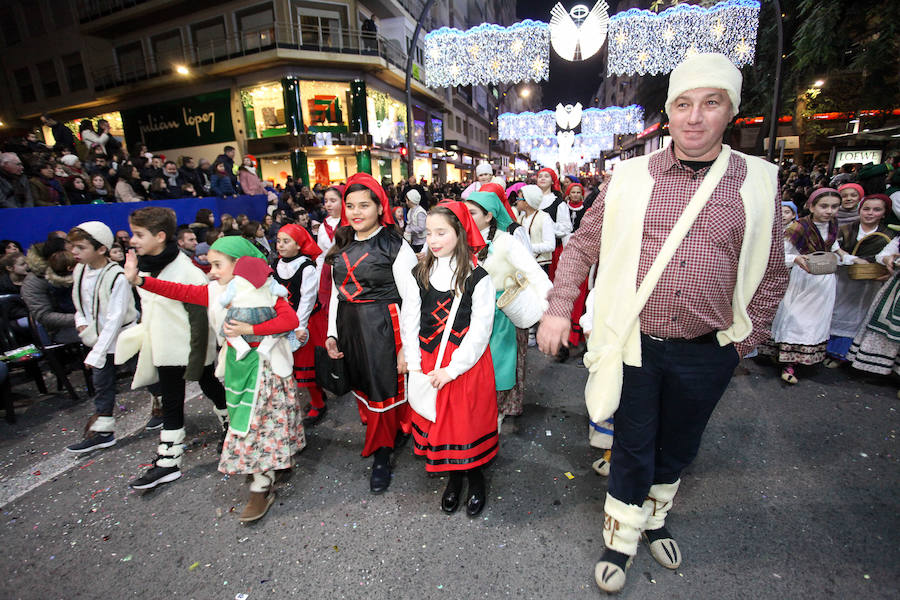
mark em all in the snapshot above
pixel 436 309
pixel 363 271
pixel 295 283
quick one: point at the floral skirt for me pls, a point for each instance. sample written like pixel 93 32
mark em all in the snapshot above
pixel 794 354
pixel 276 430
pixel 509 402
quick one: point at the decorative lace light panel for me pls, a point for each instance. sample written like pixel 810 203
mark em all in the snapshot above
pixel 642 42
pixel 546 151
pixel 595 122
pixel 487 54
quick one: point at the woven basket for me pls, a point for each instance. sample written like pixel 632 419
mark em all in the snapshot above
pixel 822 263
pixel 867 271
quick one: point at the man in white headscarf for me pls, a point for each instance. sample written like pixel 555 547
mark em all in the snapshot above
pixel 691 271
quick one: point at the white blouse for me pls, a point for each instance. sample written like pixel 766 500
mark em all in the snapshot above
pixel 563 225
pixel 309 286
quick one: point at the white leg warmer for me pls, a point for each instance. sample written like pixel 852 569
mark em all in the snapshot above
pixel 240 345
pixel 171 448
pixel 105 425
pixel 659 503
pixel 622 525
pixel 262 482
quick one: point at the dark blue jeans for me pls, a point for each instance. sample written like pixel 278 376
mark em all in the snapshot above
pixel 665 405
pixel 105 387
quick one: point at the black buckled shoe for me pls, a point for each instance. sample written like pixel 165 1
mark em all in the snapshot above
pixel 380 479
pixel 450 499
pixel 477 494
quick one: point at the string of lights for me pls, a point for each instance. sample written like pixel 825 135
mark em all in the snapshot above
pixel 595 122
pixel 487 54
pixel 643 42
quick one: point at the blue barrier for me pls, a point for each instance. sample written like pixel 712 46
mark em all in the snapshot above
pixel 30 225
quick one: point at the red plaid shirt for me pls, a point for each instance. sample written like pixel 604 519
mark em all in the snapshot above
pixel 694 294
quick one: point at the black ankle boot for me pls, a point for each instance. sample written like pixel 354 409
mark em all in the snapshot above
pixel 381 471
pixel 477 493
pixel 450 499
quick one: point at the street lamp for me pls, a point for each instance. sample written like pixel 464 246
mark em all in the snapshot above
pixel 182 70
pixel 525 92
pixel 819 83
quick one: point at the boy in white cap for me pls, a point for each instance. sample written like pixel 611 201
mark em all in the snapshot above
pixel 415 220
pixel 104 306
pixel 691 271
pixel 484 173
pixel 538 224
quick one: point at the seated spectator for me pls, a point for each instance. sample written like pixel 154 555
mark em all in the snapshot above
pixel 123 238
pixel 76 190
pixel 228 223
pixel 13 271
pixel 45 188
pixel 152 170
pixel 10 247
pixel 72 164
pixel 221 183
pixel 188 191
pixel 190 174
pixel 241 220
pixel 278 219
pixel 98 165
pixel 15 191
pixel 204 220
pixel 173 179
pixel 117 254
pixel 128 185
pixel 227 159
pixel 158 189
pixel 249 181
pixel 99 191
pixel 204 171
pixel 47 289
pixel 253 231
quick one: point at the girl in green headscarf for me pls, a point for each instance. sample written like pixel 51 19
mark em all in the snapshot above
pixel 263 404
pixel 502 258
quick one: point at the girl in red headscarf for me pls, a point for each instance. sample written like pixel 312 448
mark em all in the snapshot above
pixel 296 270
pixel 463 437
pixel 575 203
pixel 373 318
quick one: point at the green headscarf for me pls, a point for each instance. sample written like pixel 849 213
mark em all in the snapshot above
pixel 236 246
pixel 491 203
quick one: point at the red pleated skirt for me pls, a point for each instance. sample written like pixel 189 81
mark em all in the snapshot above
pixel 305 356
pixel 576 335
pixel 464 434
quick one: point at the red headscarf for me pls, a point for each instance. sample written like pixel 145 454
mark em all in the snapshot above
pixel 371 183
pixel 553 175
pixel 497 190
pixel 882 197
pixel 308 246
pixel 473 235
pixel 569 189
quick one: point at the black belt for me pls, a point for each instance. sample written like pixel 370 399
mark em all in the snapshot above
pixel 706 338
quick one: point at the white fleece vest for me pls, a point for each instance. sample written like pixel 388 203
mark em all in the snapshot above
pixel 106 279
pixel 536 235
pixel 615 338
pixel 163 336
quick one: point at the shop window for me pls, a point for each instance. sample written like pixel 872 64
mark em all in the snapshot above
pixel 25 85
pixel 325 105
pixel 208 38
pixel 62 14
pixel 466 128
pixel 130 59
pixel 458 125
pixel 322 25
pixel 387 119
pixel 49 80
pixel 34 19
pixel 264 109
pixel 256 26
pixel 9 27
pixel 167 50
pixel 74 69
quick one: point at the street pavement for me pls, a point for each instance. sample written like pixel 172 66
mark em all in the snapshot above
pixel 794 495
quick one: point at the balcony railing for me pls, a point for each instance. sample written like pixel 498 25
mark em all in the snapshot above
pixel 89 10
pixel 308 38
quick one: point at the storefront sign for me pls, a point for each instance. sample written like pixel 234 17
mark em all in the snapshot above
pixel 857 155
pixel 195 121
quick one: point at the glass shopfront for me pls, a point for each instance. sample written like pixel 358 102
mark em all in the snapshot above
pixel 115 126
pixel 264 110
pixel 325 105
pixel 387 119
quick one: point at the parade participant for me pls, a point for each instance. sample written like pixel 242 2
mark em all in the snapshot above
pixel 173 340
pixel 788 213
pixel 372 317
pixel 104 307
pixel 538 224
pixel 297 270
pixel 876 347
pixel 484 173
pixel 264 428
pixel 575 202
pixel 463 437
pixel 502 257
pixel 325 239
pixel 851 194
pixel 801 325
pixel 863 239
pixel 514 228
pixel 415 222
pixel 679 310
pixel 601 436
pixel 554 204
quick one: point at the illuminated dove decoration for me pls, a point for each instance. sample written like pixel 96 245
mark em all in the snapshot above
pixel 578 29
pixel 564 140
pixel 568 116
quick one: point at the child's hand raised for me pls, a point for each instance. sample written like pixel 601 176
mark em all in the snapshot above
pixel 131 267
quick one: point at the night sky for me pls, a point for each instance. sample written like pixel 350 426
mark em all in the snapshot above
pixel 570 82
